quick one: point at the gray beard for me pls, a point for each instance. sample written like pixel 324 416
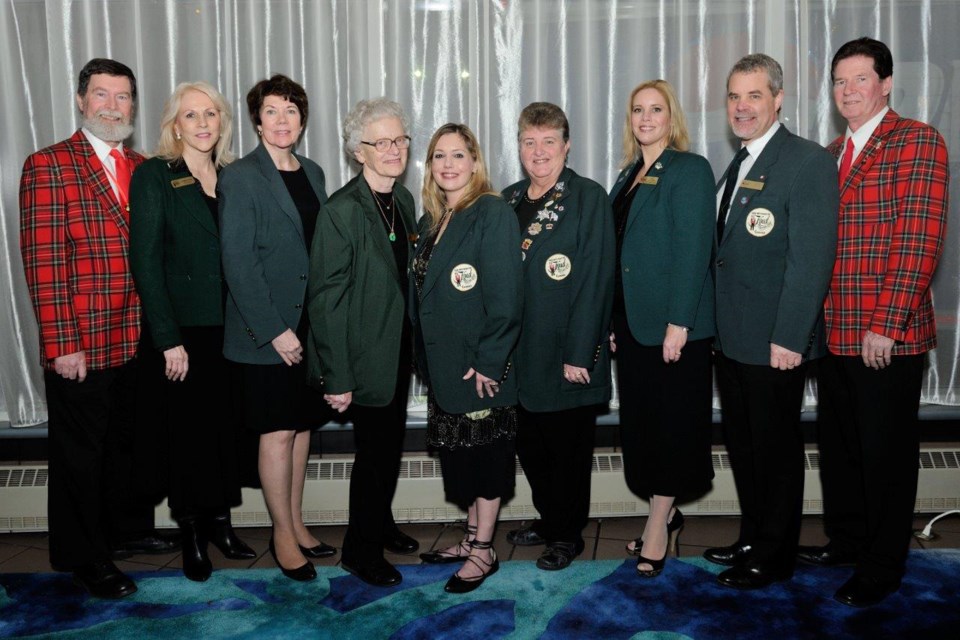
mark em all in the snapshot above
pixel 108 132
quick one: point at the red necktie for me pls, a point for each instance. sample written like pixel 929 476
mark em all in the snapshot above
pixel 846 161
pixel 123 175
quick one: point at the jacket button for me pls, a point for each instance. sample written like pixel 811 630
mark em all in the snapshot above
pixel 626 269
pixel 298 306
pixel 303 276
pixel 720 263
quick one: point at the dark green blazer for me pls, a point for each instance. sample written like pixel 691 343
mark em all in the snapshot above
pixel 466 325
pixel 174 251
pixel 264 255
pixel 354 295
pixel 774 262
pixel 566 318
pixel 667 242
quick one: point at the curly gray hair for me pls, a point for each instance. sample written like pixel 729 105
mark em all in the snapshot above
pixel 365 112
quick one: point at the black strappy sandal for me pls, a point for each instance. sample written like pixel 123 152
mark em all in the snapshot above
pixel 445 557
pixel 456 584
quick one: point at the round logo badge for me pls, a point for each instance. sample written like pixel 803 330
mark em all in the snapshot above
pixel 463 277
pixel 759 222
pixel 558 266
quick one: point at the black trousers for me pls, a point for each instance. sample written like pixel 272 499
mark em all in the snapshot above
pixel 378 438
pixel 761 429
pixel 869 458
pixel 91 502
pixel 555 449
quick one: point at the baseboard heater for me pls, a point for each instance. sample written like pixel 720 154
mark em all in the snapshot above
pixel 23 492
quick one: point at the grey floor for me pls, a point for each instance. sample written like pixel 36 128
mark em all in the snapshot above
pixel 27 552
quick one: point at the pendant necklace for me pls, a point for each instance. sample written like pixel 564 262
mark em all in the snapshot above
pixel 393 215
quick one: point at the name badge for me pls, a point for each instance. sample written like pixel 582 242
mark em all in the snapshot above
pixel 752 184
pixel 649 179
pixel 557 266
pixel 183 182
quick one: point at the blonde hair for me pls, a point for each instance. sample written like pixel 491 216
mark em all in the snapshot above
pixel 434 199
pixel 678 138
pixel 169 148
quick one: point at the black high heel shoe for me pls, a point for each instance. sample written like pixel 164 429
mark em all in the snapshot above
pixel 301 574
pixel 322 550
pixel 675 524
pixel 444 557
pixel 456 584
pixel 225 538
pixel 673 536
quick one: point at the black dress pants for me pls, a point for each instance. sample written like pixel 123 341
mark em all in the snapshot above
pixel 869 458
pixel 761 428
pixel 378 434
pixel 555 449
pixel 91 502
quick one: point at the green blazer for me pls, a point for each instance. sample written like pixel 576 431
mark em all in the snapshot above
pixel 174 251
pixel 566 318
pixel 468 314
pixel 354 295
pixel 774 262
pixel 667 242
pixel 264 255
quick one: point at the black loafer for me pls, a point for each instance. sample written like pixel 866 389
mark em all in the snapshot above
pixel 378 573
pixel 525 537
pixel 730 556
pixel 864 591
pixel 102 579
pixel 322 550
pixel 826 556
pixel 151 545
pixel 401 543
pixel 558 555
pixel 746 577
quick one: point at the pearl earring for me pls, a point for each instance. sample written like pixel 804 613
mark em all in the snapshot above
pixel 178 135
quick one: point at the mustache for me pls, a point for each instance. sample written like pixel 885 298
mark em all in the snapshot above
pixel 110 113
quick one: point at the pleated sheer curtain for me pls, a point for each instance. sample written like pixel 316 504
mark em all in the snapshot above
pixel 472 61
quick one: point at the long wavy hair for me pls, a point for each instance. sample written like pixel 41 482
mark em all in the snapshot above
pixel 678 138
pixel 434 198
pixel 169 148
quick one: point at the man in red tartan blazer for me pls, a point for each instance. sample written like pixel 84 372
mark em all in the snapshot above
pixel 879 317
pixel 74 232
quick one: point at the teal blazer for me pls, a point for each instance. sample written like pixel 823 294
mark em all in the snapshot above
pixel 469 312
pixel 667 243
pixel 774 262
pixel 566 318
pixel 354 295
pixel 264 255
pixel 174 251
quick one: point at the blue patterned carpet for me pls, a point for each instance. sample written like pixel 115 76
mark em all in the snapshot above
pixel 602 599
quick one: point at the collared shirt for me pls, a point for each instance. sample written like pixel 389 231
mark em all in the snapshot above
pixel 103 149
pixel 861 135
pixel 754 149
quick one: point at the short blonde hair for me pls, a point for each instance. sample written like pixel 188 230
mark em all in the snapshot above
pixel 678 138
pixel 434 199
pixel 169 148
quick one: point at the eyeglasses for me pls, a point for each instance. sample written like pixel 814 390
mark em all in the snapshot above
pixel 383 144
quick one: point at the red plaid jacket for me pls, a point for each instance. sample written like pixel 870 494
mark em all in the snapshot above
pixel 893 208
pixel 74 239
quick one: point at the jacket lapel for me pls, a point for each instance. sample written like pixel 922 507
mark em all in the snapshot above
pixel 278 189
pixel 443 252
pixel 867 156
pixel 188 194
pixel 548 218
pixel 647 187
pixel 95 175
pixel 758 174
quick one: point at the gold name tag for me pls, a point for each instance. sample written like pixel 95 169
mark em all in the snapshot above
pixel 183 182
pixel 752 184
pixel 649 180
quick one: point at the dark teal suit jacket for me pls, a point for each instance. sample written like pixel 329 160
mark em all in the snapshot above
pixel 174 251
pixel 566 321
pixel 667 243
pixel 355 298
pixel 477 327
pixel 264 255
pixel 774 262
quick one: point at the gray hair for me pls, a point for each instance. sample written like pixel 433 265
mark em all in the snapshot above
pixel 760 62
pixel 365 112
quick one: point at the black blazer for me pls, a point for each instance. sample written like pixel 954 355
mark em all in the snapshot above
pixel 566 315
pixel 264 255
pixel 469 312
pixel 174 251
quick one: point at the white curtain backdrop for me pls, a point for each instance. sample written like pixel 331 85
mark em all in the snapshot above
pixel 472 61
